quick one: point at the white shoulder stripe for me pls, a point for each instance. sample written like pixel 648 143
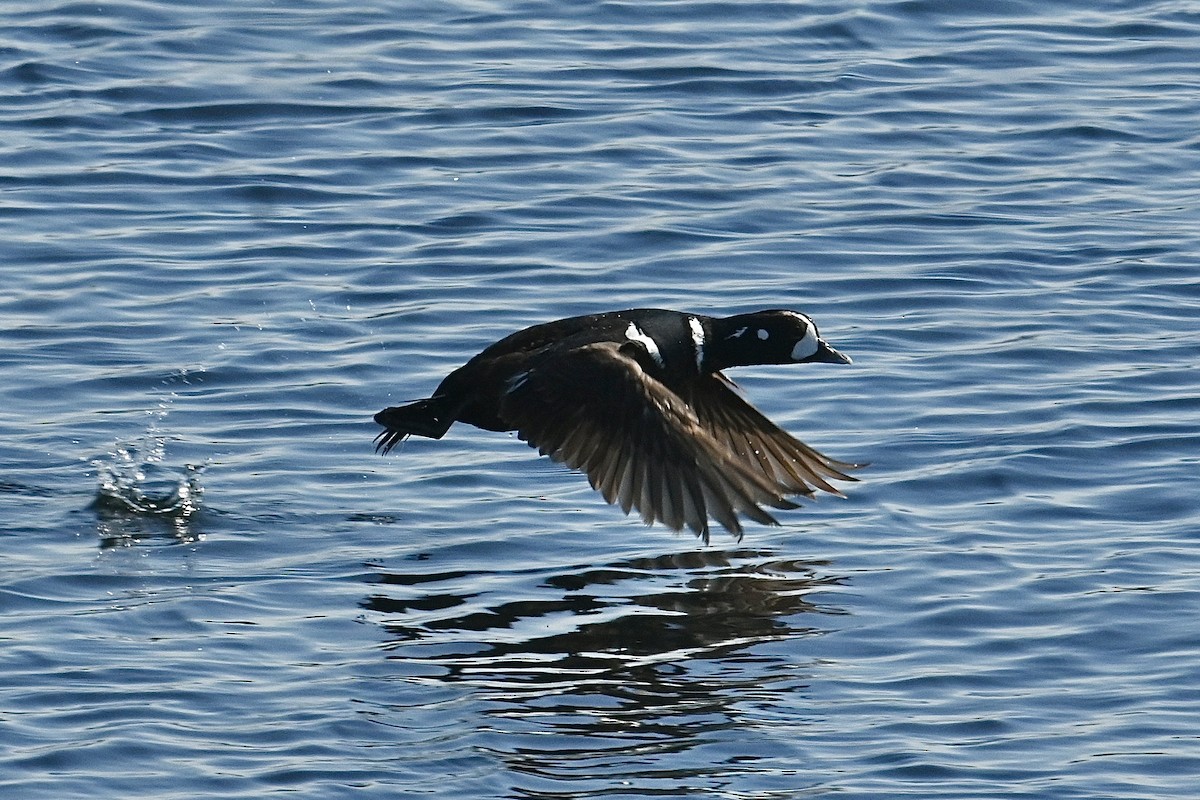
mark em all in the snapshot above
pixel 635 334
pixel 516 382
pixel 697 341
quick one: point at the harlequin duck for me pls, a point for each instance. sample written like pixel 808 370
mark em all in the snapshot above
pixel 636 400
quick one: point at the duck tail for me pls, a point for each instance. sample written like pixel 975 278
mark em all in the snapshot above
pixel 431 418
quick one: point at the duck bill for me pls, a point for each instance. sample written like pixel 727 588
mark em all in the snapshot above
pixel 827 355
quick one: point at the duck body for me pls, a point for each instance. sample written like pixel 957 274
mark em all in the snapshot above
pixel 636 400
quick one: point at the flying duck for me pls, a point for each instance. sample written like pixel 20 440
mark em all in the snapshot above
pixel 636 400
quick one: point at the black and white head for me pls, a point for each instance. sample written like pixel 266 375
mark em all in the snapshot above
pixel 777 336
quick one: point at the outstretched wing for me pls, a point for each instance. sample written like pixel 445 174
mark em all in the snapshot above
pixel 759 444
pixel 596 410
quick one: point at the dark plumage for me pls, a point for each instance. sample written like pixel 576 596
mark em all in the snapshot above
pixel 636 400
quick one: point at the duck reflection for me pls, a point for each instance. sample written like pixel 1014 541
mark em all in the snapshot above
pixel 629 612
pixel 643 656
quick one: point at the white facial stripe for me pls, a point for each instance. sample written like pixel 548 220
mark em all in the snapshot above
pixel 697 340
pixel 807 346
pixel 635 334
pixel 736 333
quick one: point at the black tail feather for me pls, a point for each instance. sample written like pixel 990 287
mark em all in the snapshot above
pixel 430 418
pixel 386 440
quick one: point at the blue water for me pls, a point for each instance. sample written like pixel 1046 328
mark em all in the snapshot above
pixel 229 234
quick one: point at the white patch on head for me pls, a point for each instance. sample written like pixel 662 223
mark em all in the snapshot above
pixel 736 333
pixel 635 334
pixel 807 346
pixel 764 334
pixel 698 340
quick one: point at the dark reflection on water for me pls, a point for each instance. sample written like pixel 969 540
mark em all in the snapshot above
pixel 605 618
pixel 618 662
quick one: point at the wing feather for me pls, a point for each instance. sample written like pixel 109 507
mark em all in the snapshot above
pixel 597 410
pixel 762 446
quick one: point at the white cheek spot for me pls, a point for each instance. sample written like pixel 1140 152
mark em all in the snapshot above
pixel 763 334
pixel 807 346
pixel 698 341
pixel 736 333
pixel 635 334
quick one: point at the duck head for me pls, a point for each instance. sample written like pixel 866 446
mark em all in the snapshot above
pixel 776 336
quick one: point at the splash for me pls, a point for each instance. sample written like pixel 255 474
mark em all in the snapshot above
pixel 142 496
